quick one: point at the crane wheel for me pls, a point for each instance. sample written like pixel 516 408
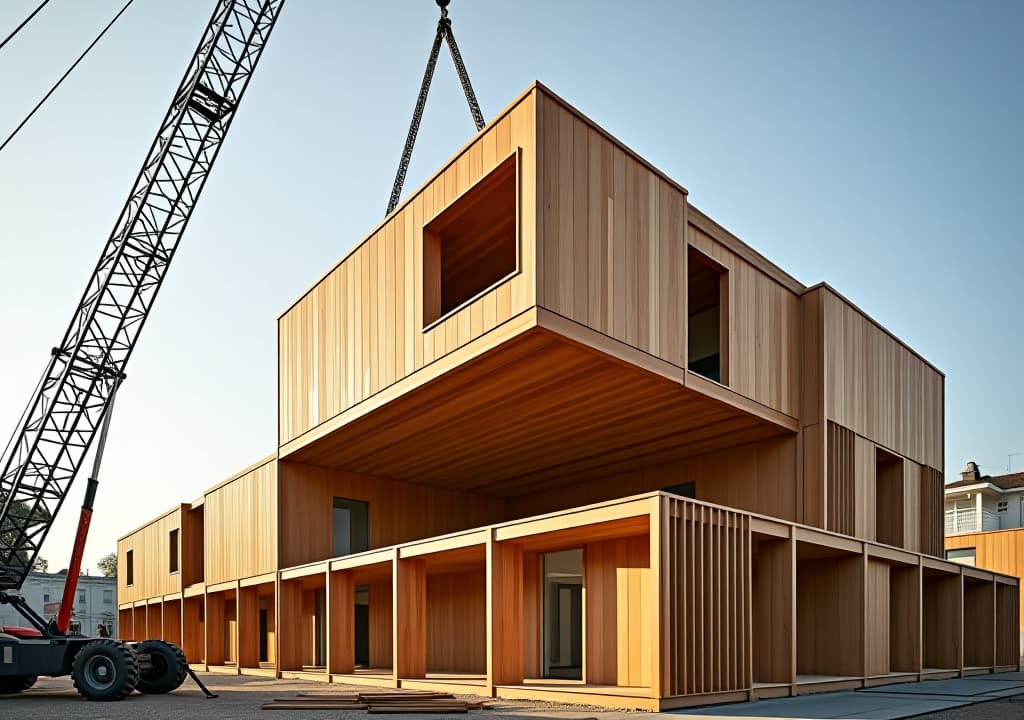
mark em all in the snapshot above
pixel 105 669
pixel 14 684
pixel 165 670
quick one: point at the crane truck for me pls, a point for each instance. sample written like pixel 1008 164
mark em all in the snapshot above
pixel 69 411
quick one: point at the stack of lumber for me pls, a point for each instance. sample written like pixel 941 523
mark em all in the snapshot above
pixel 378 701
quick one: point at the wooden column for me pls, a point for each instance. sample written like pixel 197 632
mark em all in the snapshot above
pixel 504 614
pixel 214 630
pixel 410 608
pixel 248 628
pixel 291 632
pixel 340 623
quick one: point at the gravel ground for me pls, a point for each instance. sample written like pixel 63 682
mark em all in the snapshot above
pixel 995 710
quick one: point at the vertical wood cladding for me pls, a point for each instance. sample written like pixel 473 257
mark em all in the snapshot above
pixel 764 319
pixel 757 477
pixel 880 389
pixel 1001 552
pixel 240 520
pixel 150 547
pixel 611 242
pixel 360 329
pixel 842 491
pixel 457 623
pixel 707 570
pixel 618 611
pixel 932 512
pixel 399 511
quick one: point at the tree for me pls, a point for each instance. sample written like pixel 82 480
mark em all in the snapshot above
pixel 42 565
pixel 108 565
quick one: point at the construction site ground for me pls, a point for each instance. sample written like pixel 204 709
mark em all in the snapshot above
pixel 243 696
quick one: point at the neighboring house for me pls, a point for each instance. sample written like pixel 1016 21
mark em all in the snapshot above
pixel 979 503
pixel 95 601
pixel 549 431
pixel 985 523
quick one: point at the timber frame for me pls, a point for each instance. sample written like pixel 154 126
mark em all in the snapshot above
pixel 519 361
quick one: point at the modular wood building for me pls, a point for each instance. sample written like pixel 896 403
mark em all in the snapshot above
pixel 549 431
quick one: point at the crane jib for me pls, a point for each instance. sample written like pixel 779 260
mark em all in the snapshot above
pixel 67 409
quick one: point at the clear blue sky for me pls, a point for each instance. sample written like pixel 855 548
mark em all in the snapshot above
pixel 874 145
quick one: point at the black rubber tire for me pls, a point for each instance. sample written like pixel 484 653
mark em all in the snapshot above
pixel 14 684
pixel 167 668
pixel 105 669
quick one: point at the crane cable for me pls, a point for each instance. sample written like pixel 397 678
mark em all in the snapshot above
pixel 24 22
pixel 66 72
pixel 444 32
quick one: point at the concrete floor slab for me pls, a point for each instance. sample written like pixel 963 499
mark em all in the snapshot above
pixel 848 704
pixel 959 687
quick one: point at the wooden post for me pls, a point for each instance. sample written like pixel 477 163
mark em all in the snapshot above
pixel 248 628
pixel 410 608
pixel 290 630
pixel 214 630
pixel 340 623
pixel 504 614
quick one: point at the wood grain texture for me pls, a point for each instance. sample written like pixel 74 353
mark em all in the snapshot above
pixel 877 625
pixel 618 586
pixel 905 619
pixel 827 589
pixel 878 388
pixel 942 620
pixel 979 623
pixel 399 511
pixel 360 329
pixel 708 570
pixel 240 526
pixel 1007 624
pixel 456 623
pixel 1000 551
pixel 773 608
pixel 150 548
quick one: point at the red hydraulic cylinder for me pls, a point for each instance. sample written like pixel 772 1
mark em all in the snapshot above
pixel 67 601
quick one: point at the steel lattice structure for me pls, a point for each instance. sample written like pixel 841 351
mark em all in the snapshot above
pixel 67 408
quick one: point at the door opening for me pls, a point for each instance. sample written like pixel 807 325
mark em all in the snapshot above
pixel 563 615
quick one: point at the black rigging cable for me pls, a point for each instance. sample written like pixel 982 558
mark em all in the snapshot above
pixel 23 23
pixel 66 73
pixel 444 33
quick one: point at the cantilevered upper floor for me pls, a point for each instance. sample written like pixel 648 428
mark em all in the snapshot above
pixel 548 309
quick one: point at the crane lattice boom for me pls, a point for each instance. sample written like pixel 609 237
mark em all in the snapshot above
pixel 67 408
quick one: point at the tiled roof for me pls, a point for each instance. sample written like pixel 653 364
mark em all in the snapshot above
pixel 1012 481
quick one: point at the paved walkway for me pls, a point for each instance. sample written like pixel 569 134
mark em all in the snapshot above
pixel 888 702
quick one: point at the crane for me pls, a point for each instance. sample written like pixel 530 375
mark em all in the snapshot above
pixel 70 408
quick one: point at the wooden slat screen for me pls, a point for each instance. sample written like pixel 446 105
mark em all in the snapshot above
pixel 841 481
pixel 931 512
pixel 707 618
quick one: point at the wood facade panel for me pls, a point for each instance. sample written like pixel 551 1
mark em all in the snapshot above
pixel 399 511
pixel 757 477
pixel 150 548
pixel 880 389
pixel 706 620
pixel 360 328
pixel 765 326
pixel 456 622
pixel 240 520
pixel 610 237
pixel 619 584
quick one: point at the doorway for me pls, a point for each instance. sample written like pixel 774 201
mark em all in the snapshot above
pixel 563 615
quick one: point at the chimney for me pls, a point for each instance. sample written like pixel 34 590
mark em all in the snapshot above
pixel 971 474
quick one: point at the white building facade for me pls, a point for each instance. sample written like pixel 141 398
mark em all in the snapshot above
pixel 95 602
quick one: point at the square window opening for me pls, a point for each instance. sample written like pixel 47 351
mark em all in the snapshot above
pixel 174 552
pixel 472 245
pixel 707 297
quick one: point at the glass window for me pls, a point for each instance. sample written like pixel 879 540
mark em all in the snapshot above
pixel 129 563
pixel 350 526
pixel 707 308
pixel 108 597
pixel 81 598
pixel 964 556
pixel 1002 506
pixel 46 597
pixel 173 560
